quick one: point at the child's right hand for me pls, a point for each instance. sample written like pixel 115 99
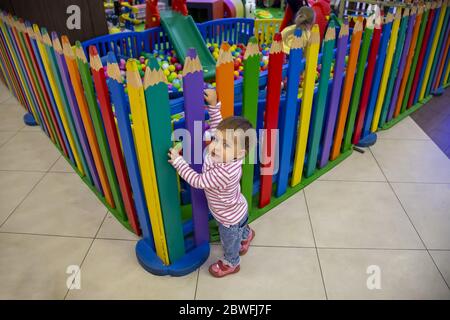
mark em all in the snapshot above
pixel 210 97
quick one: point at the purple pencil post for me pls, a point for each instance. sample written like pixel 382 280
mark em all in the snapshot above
pixel 195 117
pixel 401 70
pixel 79 125
pixel 330 121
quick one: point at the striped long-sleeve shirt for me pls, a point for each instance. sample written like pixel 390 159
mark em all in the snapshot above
pixel 220 181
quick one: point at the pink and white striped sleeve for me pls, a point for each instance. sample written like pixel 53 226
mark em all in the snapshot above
pixel 214 117
pixel 216 177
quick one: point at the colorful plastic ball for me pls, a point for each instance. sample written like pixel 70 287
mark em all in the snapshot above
pixel 171 68
pixel 166 72
pixel 172 77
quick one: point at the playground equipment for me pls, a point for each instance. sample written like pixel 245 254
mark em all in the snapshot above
pixel 125 164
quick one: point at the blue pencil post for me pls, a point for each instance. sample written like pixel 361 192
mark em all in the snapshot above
pixel 118 98
pixel 290 120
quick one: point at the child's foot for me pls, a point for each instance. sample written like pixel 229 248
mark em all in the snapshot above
pixel 246 243
pixel 220 269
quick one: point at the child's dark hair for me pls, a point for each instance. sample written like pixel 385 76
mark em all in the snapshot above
pixel 237 123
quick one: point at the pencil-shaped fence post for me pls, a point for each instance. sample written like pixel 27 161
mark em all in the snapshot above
pixel 158 115
pixel 90 169
pixel 358 82
pixel 63 104
pixel 276 59
pixel 77 85
pixel 290 120
pixel 425 52
pixel 16 62
pixel 312 55
pixel 415 61
pixel 10 64
pixel 195 118
pixel 402 65
pixel 321 99
pixel 439 48
pixel 17 33
pixel 368 78
pixel 121 107
pixel 330 120
pixel 386 70
pixel 408 69
pixel 109 123
pixel 394 67
pixel 94 111
pixel 225 80
pixel 25 37
pixel 252 59
pixel 54 93
pixel 145 158
pixel 436 32
pixel 48 95
pixel 438 82
pixel 347 90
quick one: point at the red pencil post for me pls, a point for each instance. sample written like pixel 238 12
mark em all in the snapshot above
pixel 276 59
pixel 113 138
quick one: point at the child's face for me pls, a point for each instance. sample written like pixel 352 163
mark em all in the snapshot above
pixel 226 147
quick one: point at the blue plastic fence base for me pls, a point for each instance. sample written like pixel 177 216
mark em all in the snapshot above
pixel 28 119
pixel 438 92
pixel 367 141
pixel 191 261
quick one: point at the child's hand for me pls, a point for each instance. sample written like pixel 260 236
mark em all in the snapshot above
pixel 210 97
pixel 173 155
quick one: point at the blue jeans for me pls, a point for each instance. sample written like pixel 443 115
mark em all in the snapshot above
pixel 231 238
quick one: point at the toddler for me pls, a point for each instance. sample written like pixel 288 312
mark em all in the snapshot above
pixel 220 177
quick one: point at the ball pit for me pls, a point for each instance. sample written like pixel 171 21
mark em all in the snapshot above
pixel 172 68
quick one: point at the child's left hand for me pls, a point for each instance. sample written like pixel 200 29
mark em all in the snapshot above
pixel 173 155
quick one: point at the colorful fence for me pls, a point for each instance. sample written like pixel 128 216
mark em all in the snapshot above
pixel 117 139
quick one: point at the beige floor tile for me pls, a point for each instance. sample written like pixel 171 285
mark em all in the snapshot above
pixel 266 273
pixel 285 225
pixel 5 136
pixel 11 117
pixel 34 267
pixel 14 188
pixel 28 151
pixel 405 129
pixel 37 128
pixel 113 229
pixel 358 215
pixel 62 166
pixel 61 204
pixel 403 274
pixel 412 161
pixel 442 260
pixel 357 167
pixel 111 271
pixel 428 206
pixel 5 94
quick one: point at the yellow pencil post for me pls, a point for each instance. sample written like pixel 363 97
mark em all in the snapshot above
pixel 41 42
pixel 387 69
pixel 145 157
pixel 426 76
pixel 312 54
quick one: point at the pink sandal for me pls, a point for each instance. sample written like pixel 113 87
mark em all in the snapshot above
pixel 246 243
pixel 220 269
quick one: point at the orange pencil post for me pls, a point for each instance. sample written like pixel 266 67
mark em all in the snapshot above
pixel 225 80
pixel 348 86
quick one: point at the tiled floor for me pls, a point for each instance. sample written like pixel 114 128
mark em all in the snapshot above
pixel 434 119
pixel 379 218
